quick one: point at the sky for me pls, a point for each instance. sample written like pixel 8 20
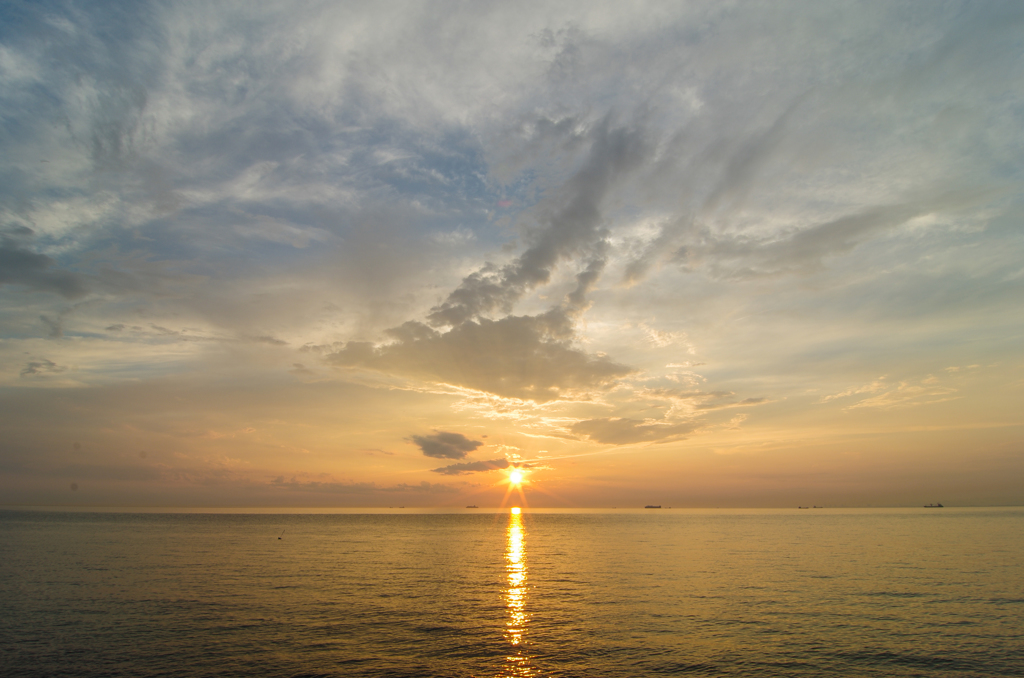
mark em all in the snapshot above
pixel 695 254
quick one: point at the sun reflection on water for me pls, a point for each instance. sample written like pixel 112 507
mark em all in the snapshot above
pixel 517 662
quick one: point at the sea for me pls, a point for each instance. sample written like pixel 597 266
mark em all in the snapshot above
pixel 473 592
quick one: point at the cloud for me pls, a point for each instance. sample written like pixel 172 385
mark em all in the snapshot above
pixel 525 357
pixel 873 387
pixel 702 244
pixel 621 431
pixel 806 248
pixel 906 394
pixel 21 266
pixel 42 367
pixel 472 467
pixel 273 341
pixel 515 357
pixel 55 327
pixel 570 225
pixel 746 402
pixel 446 445
pixel 689 402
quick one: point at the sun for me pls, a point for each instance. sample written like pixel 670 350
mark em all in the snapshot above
pixel 515 477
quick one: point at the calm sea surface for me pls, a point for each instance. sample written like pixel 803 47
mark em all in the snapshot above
pixel 899 592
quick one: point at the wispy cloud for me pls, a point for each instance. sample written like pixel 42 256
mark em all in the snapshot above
pixel 472 467
pixel 42 366
pixel 621 431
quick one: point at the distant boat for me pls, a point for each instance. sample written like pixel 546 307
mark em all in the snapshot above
pixel 804 507
pixel 933 506
pixel 652 506
pixel 472 507
pixel 819 507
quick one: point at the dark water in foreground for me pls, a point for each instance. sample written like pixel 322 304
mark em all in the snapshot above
pixel 901 592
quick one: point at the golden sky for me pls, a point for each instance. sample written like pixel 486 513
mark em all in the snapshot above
pixel 339 254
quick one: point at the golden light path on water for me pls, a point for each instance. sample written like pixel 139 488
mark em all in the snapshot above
pixel 517 662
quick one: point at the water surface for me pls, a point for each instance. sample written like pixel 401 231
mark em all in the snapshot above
pixel 900 592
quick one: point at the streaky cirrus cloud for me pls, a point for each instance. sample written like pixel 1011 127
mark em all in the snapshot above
pixel 472 467
pixel 695 244
pixel 624 431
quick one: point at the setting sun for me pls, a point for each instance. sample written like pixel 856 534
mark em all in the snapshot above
pixel 515 477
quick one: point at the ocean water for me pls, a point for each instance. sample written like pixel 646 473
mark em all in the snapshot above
pixel 900 592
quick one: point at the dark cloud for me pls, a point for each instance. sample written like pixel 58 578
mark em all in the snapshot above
pixel 527 357
pixel 42 367
pixel 571 226
pixel 446 445
pixel 472 467
pixel 617 431
pixel 21 266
